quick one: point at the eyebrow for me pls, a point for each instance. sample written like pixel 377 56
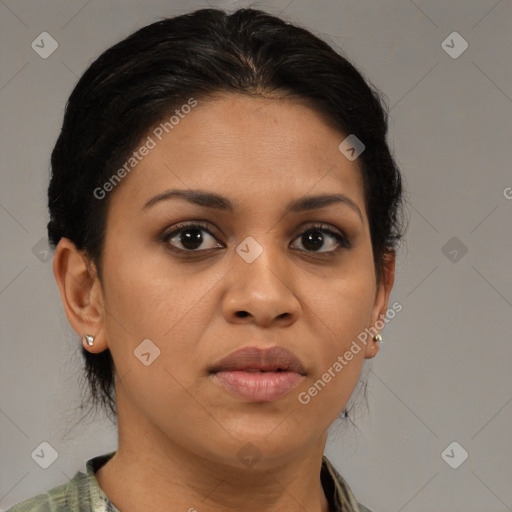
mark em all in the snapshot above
pixel 218 202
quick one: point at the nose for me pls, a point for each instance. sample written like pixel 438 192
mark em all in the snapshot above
pixel 261 292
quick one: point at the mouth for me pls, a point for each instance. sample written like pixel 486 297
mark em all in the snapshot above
pixel 258 375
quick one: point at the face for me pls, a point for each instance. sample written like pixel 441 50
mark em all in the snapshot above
pixel 201 281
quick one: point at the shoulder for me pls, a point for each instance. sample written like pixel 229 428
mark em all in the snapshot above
pixel 59 499
pixel 39 503
pixel 80 494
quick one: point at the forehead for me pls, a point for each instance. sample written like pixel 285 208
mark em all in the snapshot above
pixel 251 149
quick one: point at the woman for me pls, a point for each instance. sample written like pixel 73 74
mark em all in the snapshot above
pixel 225 212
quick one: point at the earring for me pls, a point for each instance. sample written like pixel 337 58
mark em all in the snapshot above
pixel 89 339
pixel 378 338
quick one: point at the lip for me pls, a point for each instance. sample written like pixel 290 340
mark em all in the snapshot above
pixel 259 375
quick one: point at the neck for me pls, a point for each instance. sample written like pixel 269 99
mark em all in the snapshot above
pixel 151 470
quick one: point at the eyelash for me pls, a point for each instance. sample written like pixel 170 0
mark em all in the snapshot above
pixel 340 238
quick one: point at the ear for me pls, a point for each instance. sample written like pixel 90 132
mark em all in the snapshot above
pixel 380 307
pixel 80 292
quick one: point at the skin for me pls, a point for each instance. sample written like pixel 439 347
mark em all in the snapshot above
pixel 179 432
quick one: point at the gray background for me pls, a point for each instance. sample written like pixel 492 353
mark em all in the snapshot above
pixel 443 372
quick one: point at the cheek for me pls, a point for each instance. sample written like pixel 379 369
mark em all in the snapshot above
pixel 142 290
pixel 153 319
pixel 339 313
pixel 342 304
pixel 150 299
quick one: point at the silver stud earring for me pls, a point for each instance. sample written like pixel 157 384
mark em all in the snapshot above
pixel 378 338
pixel 89 339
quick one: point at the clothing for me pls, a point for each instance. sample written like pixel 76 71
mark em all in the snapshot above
pixel 83 494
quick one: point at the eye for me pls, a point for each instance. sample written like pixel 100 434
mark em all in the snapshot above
pixel 197 236
pixel 192 237
pixel 314 238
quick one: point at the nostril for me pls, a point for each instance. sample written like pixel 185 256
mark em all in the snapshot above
pixel 242 314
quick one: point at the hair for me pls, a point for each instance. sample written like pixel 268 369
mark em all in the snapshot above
pixel 135 84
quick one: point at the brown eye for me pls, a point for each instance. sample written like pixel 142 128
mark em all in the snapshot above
pixel 317 237
pixel 191 238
